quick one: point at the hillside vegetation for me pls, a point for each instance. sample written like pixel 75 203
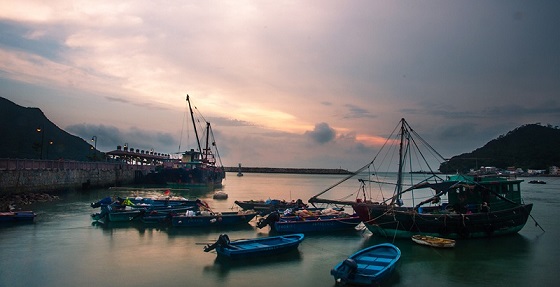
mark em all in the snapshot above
pixel 531 146
pixel 28 134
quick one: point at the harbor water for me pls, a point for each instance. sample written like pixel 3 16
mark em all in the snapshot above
pixel 65 248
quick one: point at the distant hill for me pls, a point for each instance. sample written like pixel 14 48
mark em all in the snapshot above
pixel 531 146
pixel 21 138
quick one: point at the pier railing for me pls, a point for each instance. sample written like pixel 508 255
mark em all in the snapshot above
pixel 35 164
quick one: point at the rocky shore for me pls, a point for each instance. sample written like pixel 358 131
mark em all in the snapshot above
pixel 17 200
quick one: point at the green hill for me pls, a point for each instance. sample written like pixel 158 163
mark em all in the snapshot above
pixel 28 134
pixel 531 146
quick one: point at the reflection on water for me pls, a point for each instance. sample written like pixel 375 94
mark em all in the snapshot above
pixel 64 248
pixel 223 265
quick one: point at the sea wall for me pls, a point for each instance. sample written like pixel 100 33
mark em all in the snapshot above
pixel 288 170
pixel 20 176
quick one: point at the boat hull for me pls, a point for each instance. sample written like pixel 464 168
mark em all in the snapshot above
pixel 405 222
pixel 223 219
pixel 125 215
pixel 433 241
pixel 17 216
pixel 321 224
pixel 268 246
pixel 266 207
pixel 368 266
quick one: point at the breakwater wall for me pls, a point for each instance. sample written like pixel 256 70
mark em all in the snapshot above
pixel 288 170
pixel 19 176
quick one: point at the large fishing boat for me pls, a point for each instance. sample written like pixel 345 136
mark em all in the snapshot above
pixel 197 168
pixel 449 206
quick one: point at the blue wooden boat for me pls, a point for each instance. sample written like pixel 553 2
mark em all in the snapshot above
pixel 207 219
pixel 312 223
pixel 256 247
pixel 148 214
pixel 142 202
pixel 17 216
pixel 368 266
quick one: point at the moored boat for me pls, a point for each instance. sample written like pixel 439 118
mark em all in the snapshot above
pixel 255 247
pixel 368 266
pixel 17 216
pixel 208 219
pixel 457 206
pixel 197 168
pixel 433 241
pixel 137 209
pixel 269 205
pixel 305 221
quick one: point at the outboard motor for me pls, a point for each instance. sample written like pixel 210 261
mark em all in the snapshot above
pixel 223 240
pixel 104 201
pixel 269 219
pixel 349 267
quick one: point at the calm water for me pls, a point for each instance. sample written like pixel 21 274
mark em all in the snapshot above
pixel 64 248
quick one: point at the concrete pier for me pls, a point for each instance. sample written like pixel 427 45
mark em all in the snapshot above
pixel 18 176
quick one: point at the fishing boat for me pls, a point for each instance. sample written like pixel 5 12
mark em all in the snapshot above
pixel 135 209
pixel 17 216
pixel 305 221
pixel 449 206
pixel 157 201
pixel 269 205
pixel 433 241
pixel 207 219
pixel 256 247
pixel 367 267
pixel 199 168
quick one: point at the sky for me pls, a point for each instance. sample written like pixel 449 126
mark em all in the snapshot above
pixel 317 84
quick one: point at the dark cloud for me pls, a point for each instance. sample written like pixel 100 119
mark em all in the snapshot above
pixel 322 133
pixel 109 137
pixel 357 112
pixel 118 100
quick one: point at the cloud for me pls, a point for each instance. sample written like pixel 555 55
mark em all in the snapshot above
pixel 322 133
pixel 109 137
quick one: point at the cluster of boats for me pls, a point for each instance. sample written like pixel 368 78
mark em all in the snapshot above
pixel 174 211
pixel 440 209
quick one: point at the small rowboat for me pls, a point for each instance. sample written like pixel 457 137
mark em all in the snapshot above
pixel 245 248
pixel 433 241
pixel 17 216
pixel 368 266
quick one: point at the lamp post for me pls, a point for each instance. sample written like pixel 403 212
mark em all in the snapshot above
pixel 50 144
pixel 94 140
pixel 40 130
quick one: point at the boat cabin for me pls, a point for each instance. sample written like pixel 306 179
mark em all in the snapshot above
pixel 479 193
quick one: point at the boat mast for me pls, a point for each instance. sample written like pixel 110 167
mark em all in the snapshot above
pixel 194 124
pixel 399 176
pixel 207 150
